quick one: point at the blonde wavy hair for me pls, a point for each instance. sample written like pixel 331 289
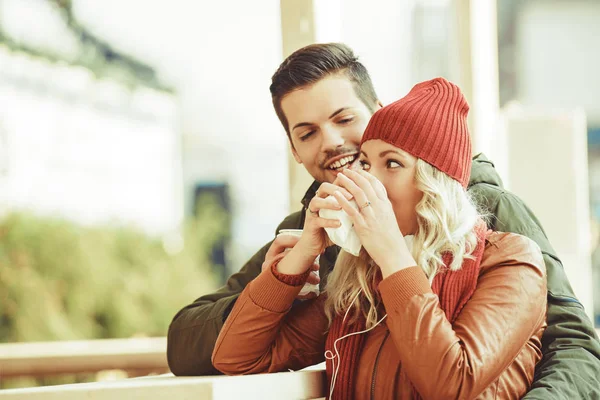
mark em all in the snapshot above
pixel 446 217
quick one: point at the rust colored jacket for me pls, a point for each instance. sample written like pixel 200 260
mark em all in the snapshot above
pixel 489 353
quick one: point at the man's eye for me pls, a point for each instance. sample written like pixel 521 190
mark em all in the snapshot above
pixel 306 136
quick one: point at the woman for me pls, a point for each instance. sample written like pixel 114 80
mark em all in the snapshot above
pixel 435 307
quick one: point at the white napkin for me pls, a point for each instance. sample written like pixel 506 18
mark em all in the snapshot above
pixel 345 236
pixel 410 240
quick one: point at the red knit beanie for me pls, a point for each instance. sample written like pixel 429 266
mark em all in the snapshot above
pixel 430 123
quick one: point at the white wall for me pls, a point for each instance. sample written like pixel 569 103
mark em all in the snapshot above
pixel 557 60
pixel 220 57
pixel 556 189
pixel 380 32
pixel 558 55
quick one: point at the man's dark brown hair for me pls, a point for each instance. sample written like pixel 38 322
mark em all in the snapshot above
pixel 312 63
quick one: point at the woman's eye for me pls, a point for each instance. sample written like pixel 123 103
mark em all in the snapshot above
pixel 364 165
pixel 394 164
pixel 346 120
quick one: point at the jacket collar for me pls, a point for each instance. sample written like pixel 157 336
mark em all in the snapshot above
pixel 310 193
pixel 483 171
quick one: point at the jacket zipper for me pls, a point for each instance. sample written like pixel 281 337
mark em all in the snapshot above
pixel 373 378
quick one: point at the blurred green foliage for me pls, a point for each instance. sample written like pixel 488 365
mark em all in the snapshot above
pixel 63 281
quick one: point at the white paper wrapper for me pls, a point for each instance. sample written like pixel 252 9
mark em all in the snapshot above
pixel 410 240
pixel 307 288
pixel 345 236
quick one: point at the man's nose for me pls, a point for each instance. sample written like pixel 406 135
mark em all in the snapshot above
pixel 332 138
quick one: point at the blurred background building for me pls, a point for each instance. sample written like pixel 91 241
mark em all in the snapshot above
pixel 128 112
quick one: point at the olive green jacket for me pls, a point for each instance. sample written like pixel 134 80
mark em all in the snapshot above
pixel 569 369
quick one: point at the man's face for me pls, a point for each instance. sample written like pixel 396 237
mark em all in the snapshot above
pixel 326 122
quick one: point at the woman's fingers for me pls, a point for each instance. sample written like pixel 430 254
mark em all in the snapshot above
pixel 377 186
pixel 280 245
pixel 359 195
pixel 362 182
pixel 327 189
pixel 327 223
pixel 269 261
pixel 352 212
pixel 318 203
pixel 313 278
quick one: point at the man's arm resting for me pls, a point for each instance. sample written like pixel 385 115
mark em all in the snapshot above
pixel 194 330
pixel 570 365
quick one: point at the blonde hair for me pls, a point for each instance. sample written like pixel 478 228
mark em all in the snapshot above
pixel 446 218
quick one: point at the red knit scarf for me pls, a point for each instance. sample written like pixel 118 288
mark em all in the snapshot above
pixel 453 288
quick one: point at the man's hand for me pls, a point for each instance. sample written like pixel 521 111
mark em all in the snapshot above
pixel 280 246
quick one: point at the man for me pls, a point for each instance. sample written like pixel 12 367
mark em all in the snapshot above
pixel 324 98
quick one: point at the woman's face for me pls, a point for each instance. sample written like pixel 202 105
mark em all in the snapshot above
pixel 396 169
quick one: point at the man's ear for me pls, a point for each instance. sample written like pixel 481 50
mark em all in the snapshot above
pixel 295 154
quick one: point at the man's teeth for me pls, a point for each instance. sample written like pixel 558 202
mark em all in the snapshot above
pixel 341 163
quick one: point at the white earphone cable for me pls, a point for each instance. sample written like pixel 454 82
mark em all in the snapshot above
pixel 330 356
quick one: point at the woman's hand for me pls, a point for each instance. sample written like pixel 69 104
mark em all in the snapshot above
pixel 279 249
pixel 314 239
pixel 374 222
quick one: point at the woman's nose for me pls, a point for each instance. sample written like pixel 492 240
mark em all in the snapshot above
pixel 376 173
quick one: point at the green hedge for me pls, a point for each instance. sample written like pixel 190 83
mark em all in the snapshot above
pixel 63 281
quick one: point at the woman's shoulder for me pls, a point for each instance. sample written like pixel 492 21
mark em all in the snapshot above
pixel 511 249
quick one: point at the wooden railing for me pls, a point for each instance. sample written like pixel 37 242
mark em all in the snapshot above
pixel 139 356
pixel 308 384
pixel 40 359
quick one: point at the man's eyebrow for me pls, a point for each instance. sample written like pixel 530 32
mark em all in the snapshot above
pixel 338 111
pixel 301 124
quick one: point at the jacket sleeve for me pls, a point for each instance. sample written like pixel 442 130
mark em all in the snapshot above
pixel 261 334
pixel 194 330
pixel 460 360
pixel 570 365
